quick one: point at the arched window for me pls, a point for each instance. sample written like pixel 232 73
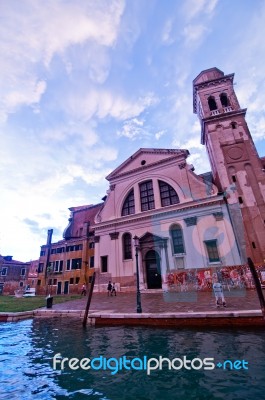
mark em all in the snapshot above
pixel 212 103
pixel 168 195
pixel 147 196
pixel 127 246
pixel 128 205
pixel 233 125
pixel 224 100
pixel 177 239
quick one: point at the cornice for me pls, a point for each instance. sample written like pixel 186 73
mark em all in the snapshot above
pixel 157 215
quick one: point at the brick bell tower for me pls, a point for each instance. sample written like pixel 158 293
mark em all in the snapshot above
pixel 238 171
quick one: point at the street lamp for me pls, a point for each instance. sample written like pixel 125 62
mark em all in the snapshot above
pixel 138 296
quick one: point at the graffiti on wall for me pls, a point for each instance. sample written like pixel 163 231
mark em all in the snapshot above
pixel 236 277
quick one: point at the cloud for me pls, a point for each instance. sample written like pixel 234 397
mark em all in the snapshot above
pixel 34 32
pixel 194 33
pixel 194 8
pixel 167 36
pixel 102 104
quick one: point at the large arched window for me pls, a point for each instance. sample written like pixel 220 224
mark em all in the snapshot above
pixel 177 239
pixel 128 205
pixel 212 103
pixel 147 196
pixel 168 195
pixel 127 246
pixel 224 100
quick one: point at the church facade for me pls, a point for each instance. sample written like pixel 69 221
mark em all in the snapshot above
pixel 158 208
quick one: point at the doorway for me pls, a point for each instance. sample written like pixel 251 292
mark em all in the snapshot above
pixel 66 287
pixel 153 271
pixel 59 287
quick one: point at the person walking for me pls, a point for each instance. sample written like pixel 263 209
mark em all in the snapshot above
pixel 109 288
pixel 218 292
pixel 83 292
pixel 113 290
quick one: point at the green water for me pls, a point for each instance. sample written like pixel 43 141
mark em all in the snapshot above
pixel 27 349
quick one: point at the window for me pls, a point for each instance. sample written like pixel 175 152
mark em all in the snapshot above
pixel 4 271
pixel 53 251
pixel 147 196
pixel 71 281
pixel 127 246
pixel 21 284
pixel 42 253
pixel 128 205
pixel 233 178
pixel 104 263
pixel 234 125
pixel 39 282
pixel 240 199
pixel 92 245
pixel 177 239
pixel 224 100
pixel 68 265
pixel 60 250
pixel 212 250
pixel 76 263
pixel 23 272
pixel 167 194
pixel 91 262
pixel 212 103
pixel 77 280
pixel 41 267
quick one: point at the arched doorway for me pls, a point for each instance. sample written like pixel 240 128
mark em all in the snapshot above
pixel 153 271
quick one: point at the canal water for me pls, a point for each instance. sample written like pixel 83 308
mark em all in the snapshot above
pixel 27 369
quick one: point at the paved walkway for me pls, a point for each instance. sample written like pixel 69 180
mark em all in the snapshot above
pixel 237 300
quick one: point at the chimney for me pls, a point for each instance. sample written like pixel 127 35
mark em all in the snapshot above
pixel 49 237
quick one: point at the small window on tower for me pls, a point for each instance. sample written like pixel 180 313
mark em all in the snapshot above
pixel 240 200
pixel 224 100
pixel 233 178
pixel 212 103
pixel 234 125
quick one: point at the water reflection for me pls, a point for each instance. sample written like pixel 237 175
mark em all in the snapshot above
pixel 27 349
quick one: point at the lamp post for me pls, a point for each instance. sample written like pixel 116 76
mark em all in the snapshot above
pixel 138 296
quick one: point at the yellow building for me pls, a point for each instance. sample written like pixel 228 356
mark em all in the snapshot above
pixel 65 266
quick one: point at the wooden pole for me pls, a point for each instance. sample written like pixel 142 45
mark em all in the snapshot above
pixel 257 285
pixel 89 299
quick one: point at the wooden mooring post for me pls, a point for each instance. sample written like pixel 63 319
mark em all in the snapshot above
pixel 257 285
pixel 89 299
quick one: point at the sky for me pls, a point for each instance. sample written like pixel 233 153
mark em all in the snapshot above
pixel 85 84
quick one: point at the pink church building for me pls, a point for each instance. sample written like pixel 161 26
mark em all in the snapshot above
pixel 184 220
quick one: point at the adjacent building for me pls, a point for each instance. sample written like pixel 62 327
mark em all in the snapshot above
pixel 13 275
pixel 65 266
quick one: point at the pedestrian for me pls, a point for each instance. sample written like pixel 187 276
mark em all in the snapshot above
pixel 113 290
pixel 109 288
pixel 218 292
pixel 83 292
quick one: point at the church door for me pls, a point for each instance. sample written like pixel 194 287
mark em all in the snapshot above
pixel 153 272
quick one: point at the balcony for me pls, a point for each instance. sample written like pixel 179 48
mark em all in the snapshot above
pixel 215 112
pixel 228 109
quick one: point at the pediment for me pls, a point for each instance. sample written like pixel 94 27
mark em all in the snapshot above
pixel 149 237
pixel 146 158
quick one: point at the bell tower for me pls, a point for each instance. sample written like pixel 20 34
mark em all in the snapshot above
pixel 237 169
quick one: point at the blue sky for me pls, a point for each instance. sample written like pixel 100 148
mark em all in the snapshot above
pixel 84 84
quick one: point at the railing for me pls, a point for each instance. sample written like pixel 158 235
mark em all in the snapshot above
pixel 215 112
pixel 228 109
